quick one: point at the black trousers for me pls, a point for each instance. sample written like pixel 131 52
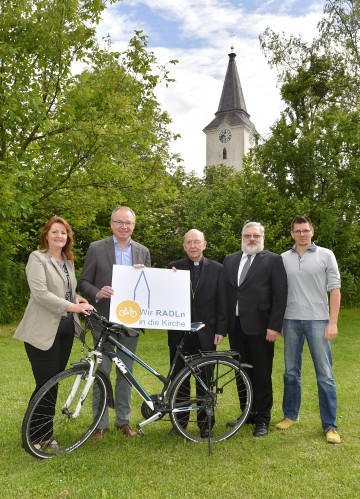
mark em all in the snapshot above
pixel 45 364
pixel 257 351
pixel 191 347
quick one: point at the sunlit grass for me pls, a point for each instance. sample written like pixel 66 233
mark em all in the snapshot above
pixel 297 463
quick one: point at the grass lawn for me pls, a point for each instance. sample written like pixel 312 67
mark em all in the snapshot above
pixel 297 463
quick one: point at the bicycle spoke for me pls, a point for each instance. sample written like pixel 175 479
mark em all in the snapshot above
pixel 228 399
pixel 51 422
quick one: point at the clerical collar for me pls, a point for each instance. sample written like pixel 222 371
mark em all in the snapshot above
pixel 195 264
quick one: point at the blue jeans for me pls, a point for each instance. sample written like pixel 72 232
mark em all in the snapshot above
pixel 295 332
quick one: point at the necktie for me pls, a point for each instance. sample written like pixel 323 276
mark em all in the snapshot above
pixel 245 270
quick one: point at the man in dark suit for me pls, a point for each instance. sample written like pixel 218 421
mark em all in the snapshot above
pixel 207 305
pixel 95 283
pixel 256 302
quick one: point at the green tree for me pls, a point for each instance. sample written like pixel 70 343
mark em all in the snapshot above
pixel 222 201
pixel 310 162
pixel 312 156
pixel 75 144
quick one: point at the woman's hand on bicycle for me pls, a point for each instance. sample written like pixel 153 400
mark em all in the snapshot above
pixel 81 306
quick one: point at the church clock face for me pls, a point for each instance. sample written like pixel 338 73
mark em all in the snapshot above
pixel 225 135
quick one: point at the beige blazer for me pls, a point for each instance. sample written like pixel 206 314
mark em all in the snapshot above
pixel 47 303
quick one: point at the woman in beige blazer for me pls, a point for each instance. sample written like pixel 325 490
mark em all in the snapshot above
pixel 49 321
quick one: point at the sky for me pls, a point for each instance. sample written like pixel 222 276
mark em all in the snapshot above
pixel 199 34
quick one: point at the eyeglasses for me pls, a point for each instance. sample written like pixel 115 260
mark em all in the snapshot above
pixel 197 242
pixel 251 236
pixel 298 232
pixel 120 222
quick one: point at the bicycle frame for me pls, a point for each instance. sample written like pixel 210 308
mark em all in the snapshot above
pixel 130 378
pixel 208 386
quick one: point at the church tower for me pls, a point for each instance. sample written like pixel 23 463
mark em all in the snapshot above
pixel 230 134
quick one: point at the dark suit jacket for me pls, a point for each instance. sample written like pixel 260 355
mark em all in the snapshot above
pixel 208 305
pixel 98 267
pixel 261 297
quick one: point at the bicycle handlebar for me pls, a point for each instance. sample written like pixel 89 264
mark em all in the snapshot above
pixel 113 326
pixel 121 328
pixel 196 326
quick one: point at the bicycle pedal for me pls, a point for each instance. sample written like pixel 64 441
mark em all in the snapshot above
pixel 141 433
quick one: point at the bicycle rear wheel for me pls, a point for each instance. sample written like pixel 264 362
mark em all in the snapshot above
pixel 196 412
pixel 50 415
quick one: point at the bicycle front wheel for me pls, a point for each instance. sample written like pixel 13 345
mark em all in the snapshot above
pixel 59 413
pixel 220 409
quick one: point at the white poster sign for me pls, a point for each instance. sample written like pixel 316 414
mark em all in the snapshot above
pixel 151 298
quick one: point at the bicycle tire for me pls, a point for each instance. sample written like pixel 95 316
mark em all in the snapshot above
pixel 222 376
pixel 70 433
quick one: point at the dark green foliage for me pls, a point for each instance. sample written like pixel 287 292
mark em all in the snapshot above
pixel 79 145
pixel 75 145
pixel 14 290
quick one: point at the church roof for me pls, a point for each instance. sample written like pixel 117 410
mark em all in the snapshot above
pixel 232 107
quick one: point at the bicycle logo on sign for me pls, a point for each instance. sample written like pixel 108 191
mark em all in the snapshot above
pixel 128 312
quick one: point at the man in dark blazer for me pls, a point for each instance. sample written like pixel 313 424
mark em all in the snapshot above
pixel 207 305
pixel 256 302
pixel 95 283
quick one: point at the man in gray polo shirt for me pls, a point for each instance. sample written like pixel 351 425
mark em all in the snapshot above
pixel 312 273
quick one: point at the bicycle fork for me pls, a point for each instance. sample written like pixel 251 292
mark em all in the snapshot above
pixel 83 394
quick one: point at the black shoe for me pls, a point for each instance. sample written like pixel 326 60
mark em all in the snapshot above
pixel 248 420
pixel 231 424
pixel 174 432
pixel 261 429
pixel 205 432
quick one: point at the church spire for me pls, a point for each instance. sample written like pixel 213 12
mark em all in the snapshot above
pixel 232 97
pixel 232 107
pixel 229 136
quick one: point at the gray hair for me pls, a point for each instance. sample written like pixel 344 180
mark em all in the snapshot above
pixel 254 224
pixel 123 208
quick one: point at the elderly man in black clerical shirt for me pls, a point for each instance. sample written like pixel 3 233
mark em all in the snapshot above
pixel 207 306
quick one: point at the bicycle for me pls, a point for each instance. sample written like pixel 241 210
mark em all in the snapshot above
pixel 203 395
pixel 127 311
